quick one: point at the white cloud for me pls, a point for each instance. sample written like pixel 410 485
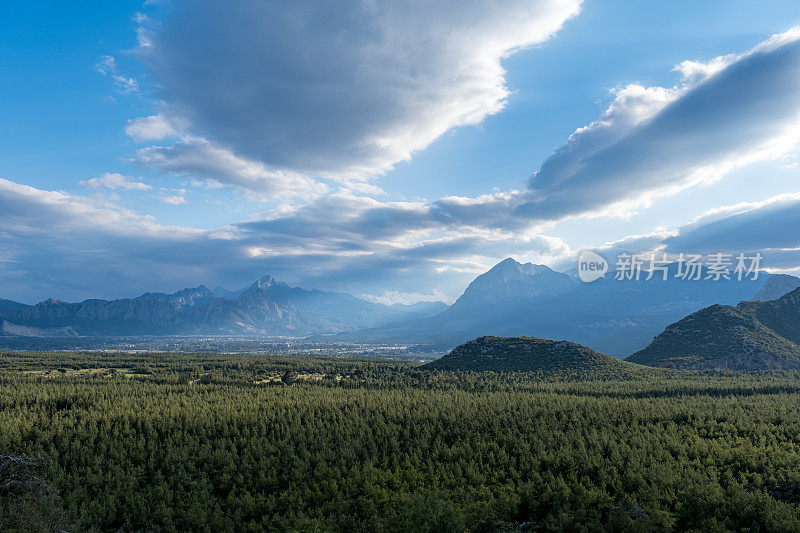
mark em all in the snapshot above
pixel 76 247
pixel 198 158
pixel 725 114
pixel 745 227
pixel 342 89
pixel 178 198
pixel 107 66
pixel 34 210
pixel 406 298
pixel 113 180
pixel 152 128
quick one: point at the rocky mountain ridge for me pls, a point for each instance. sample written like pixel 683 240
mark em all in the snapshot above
pixel 267 307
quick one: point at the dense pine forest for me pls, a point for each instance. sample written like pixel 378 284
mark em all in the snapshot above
pixel 108 442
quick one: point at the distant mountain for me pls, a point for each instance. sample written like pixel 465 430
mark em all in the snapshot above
pixel 219 292
pixel 776 286
pixel 615 317
pixel 510 280
pixel 267 307
pixel 525 354
pixel 421 308
pixel 754 335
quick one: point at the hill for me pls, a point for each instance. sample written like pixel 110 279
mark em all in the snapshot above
pixel 753 335
pixel 524 354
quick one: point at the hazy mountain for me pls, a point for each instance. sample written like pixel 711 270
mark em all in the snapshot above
pixel 754 335
pixel 510 280
pixel 219 292
pixel 776 286
pixel 185 299
pixel 615 317
pixel 420 308
pixel 267 307
pixel 524 354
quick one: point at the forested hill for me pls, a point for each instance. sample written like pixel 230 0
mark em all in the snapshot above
pixel 526 354
pixel 754 335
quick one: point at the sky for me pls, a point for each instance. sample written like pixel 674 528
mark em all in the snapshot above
pixel 393 150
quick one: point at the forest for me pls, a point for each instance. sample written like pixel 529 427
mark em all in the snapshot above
pixel 214 442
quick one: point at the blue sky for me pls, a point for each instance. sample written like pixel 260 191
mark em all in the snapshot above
pixel 385 151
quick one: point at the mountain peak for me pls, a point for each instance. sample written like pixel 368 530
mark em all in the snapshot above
pixel 511 279
pixel 511 264
pixel 508 261
pixel 267 281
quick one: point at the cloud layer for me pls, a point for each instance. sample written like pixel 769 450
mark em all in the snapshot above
pixel 193 157
pixel 766 227
pixel 113 180
pixel 74 247
pixel 654 141
pixel 152 128
pixel 393 250
pixel 340 89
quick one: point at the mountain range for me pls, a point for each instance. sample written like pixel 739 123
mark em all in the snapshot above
pixel 267 307
pixel 511 299
pixel 613 316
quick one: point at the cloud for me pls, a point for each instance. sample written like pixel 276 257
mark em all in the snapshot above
pixel 653 141
pixel 747 227
pixel 198 158
pixel 152 128
pixel 650 140
pixel 338 89
pixel 56 244
pixel 406 298
pixel 74 247
pixel 179 198
pixel 107 66
pixel 112 180
pixel 67 245
pixel 348 217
